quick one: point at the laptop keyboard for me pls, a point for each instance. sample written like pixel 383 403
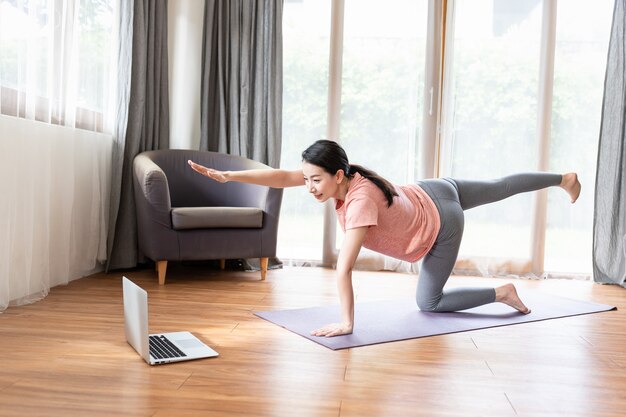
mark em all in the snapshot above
pixel 162 348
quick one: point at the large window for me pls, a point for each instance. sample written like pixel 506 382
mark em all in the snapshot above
pixel 306 40
pixel 490 113
pixel 582 37
pixel 381 101
pixel 384 51
pixel 383 85
pixel 491 116
pixel 499 90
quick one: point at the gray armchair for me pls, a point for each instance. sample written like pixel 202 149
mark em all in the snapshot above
pixel 182 215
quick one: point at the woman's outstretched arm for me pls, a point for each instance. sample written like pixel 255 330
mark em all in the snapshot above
pixel 276 178
pixel 350 248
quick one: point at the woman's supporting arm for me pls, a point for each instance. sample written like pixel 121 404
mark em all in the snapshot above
pixel 350 248
pixel 276 178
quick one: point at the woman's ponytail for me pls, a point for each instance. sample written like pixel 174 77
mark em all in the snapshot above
pixel 385 186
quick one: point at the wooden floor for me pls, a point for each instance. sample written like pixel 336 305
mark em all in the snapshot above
pixel 67 355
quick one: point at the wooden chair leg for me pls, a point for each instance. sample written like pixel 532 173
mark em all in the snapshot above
pixel 264 268
pixel 222 264
pixel 161 269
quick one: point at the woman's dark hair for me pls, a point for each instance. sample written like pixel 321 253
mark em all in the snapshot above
pixel 331 157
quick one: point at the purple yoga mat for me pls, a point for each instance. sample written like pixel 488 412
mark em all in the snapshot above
pixel 388 321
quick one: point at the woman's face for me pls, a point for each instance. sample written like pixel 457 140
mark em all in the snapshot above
pixel 320 183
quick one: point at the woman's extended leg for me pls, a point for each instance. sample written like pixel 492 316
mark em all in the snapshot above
pixel 477 193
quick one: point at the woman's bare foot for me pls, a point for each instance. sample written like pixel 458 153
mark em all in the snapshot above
pixel 571 184
pixel 507 294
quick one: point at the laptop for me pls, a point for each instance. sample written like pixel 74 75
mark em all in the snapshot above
pixel 161 348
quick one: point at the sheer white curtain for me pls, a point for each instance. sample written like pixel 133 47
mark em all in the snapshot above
pixel 55 61
pixel 55 82
pixel 54 187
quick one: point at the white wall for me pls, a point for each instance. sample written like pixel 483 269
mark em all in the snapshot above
pixel 185 21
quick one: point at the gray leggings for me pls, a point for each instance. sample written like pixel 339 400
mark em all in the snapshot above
pixel 452 197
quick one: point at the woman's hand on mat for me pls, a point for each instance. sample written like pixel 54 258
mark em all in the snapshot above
pixel 214 174
pixel 334 329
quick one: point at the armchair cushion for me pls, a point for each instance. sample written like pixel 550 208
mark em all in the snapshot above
pixel 216 217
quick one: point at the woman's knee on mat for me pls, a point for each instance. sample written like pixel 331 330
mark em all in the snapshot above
pixel 426 303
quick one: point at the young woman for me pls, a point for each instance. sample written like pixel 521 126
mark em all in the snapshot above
pixel 423 220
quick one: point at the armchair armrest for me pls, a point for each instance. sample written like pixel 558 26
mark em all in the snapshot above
pixel 152 188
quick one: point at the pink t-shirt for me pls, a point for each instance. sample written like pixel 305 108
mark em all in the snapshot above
pixel 406 230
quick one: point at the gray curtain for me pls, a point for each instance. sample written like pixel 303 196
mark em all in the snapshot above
pixel 609 226
pixel 147 125
pixel 241 98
